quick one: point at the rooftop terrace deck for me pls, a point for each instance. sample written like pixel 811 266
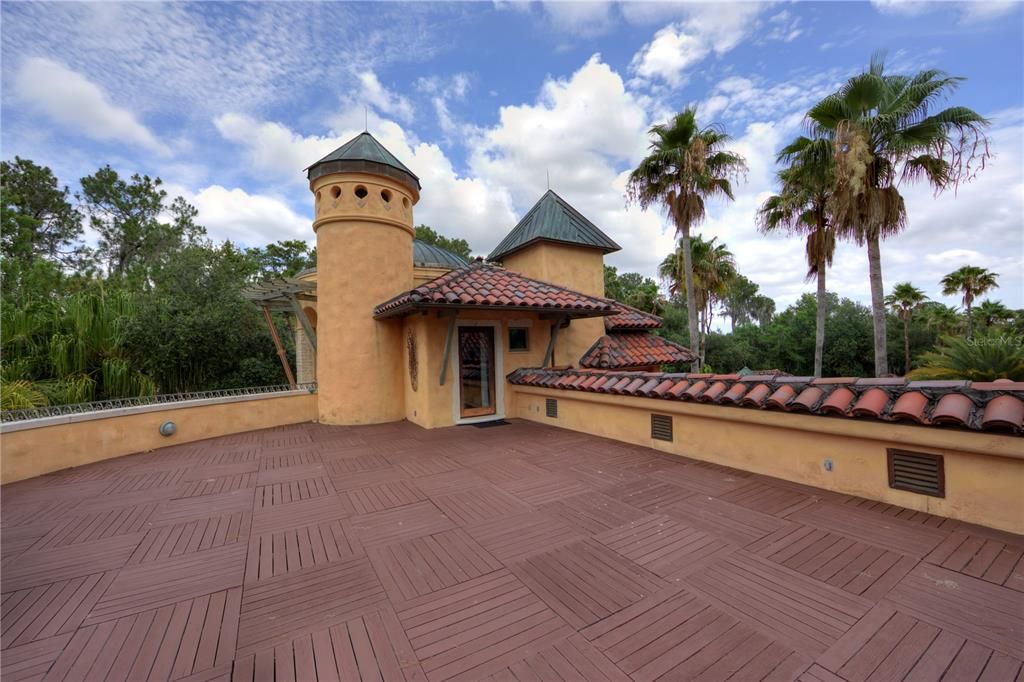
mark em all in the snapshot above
pixel 522 552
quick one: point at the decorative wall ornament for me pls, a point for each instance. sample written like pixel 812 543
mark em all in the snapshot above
pixel 414 365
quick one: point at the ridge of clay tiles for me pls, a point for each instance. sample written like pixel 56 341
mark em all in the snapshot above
pixel 714 391
pixel 679 388
pixel 824 381
pixel 807 399
pixel 632 386
pixel 757 395
pixel 838 401
pixel 911 405
pixel 696 389
pixel 998 385
pixel 881 381
pixel 871 403
pixel 662 388
pixel 1004 411
pixel 953 408
pixel 734 394
pixel 648 386
pixel 781 397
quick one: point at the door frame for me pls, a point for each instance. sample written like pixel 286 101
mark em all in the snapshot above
pixel 499 374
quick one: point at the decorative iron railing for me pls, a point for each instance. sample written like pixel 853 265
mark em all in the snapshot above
pixel 100 405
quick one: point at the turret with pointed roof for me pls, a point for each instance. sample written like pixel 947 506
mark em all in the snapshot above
pixel 553 219
pixel 364 154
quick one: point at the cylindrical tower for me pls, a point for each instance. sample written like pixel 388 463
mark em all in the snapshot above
pixel 364 231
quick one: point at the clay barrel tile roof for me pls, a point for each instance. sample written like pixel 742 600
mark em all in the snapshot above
pixel 623 350
pixel 734 394
pixel 838 401
pixel 628 317
pixel 912 406
pixel 871 403
pixel 807 400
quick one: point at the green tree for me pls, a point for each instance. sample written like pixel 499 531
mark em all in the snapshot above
pixel 987 357
pixel 739 301
pixel 633 289
pixel 686 166
pixel 37 219
pixel 460 247
pixel 802 207
pixel 969 282
pixel 993 314
pixel 904 300
pixel 714 269
pixel 283 258
pixel 884 129
pixel 138 228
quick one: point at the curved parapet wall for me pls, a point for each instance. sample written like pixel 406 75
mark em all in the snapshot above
pixel 40 446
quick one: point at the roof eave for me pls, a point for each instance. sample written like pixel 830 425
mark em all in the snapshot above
pixel 519 247
pixel 412 306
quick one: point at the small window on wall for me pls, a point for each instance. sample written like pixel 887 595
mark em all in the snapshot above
pixel 518 339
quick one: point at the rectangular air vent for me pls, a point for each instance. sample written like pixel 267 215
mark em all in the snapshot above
pixel 661 427
pixel 551 406
pixel 918 472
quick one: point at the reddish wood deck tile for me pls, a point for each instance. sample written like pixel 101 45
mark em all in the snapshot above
pixel 450 482
pixel 991 560
pixel 384 496
pixel 571 660
pixel 171 642
pixel 401 523
pixel 98 525
pixel 29 662
pixel 648 494
pixel 545 488
pixel 988 614
pixel 881 530
pixel 478 627
pixel 146 481
pixel 41 567
pixel 806 615
pixel 479 504
pixel 507 470
pixel 192 536
pixel 285 460
pixel 292 491
pixel 292 472
pixel 585 581
pixel 767 498
pixel 674 635
pixel 371 647
pixel 197 508
pixel 282 517
pixel 707 479
pixel 423 565
pixel 665 546
pixel 151 585
pixel 516 537
pixel 274 554
pixel 216 485
pixel 853 566
pixel 277 610
pixel 890 645
pixel 49 610
pixel 427 465
pixel 365 479
pixel 728 521
pixel 902 513
pixel 593 512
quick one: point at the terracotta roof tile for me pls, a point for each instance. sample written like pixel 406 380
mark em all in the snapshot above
pixel 483 285
pixel 624 350
pixel 982 406
pixel 628 317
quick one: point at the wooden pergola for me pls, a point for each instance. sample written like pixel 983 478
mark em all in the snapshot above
pixel 284 294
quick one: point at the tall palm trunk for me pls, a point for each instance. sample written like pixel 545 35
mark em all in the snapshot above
pixel 691 300
pixel 877 303
pixel 906 343
pixel 968 300
pixel 819 322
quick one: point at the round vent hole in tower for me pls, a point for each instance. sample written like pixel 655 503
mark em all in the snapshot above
pixel 361 192
pixel 335 191
pixel 386 196
pixel 405 202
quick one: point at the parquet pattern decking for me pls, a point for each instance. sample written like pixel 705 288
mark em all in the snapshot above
pixel 523 552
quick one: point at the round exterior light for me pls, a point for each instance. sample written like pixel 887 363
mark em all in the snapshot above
pixel 168 429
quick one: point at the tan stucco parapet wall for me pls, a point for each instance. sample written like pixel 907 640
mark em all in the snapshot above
pixel 41 446
pixel 984 471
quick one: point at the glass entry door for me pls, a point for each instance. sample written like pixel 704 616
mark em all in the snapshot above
pixel 476 370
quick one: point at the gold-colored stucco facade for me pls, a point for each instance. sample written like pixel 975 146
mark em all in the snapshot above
pixel 364 238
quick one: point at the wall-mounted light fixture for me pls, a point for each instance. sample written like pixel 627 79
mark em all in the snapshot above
pixel 168 429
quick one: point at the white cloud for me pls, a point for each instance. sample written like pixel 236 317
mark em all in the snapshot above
pixel 71 100
pixel 708 28
pixel 386 101
pixel 272 151
pixel 970 11
pixel 244 218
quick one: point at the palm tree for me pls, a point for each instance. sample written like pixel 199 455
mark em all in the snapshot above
pixel 985 358
pixel 686 165
pixel 993 314
pixel 714 270
pixel 970 281
pixel 802 207
pixel 903 301
pixel 884 130
pixel 940 318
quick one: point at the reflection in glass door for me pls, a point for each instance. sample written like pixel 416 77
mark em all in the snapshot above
pixel 476 369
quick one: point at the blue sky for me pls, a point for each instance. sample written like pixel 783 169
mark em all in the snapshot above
pixel 228 102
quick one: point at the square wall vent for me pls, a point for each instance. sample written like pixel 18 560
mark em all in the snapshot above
pixel 917 472
pixel 661 427
pixel 551 407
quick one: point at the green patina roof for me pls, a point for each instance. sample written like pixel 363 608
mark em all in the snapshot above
pixel 363 153
pixel 553 219
pixel 430 256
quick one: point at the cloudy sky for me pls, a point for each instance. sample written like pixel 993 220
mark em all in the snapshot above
pixel 229 102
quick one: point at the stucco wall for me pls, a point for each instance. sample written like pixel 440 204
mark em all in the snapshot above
pixel 984 472
pixel 31 451
pixel 573 267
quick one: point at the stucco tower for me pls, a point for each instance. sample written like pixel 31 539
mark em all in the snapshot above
pixel 363 198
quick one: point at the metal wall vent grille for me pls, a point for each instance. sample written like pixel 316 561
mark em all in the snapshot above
pixel 918 472
pixel 551 407
pixel 661 427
